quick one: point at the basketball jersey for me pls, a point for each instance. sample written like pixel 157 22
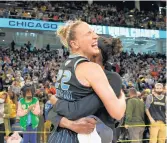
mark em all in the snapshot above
pixel 158 109
pixel 67 85
pixel 69 88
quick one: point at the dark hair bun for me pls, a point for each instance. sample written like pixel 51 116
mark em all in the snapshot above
pixel 109 47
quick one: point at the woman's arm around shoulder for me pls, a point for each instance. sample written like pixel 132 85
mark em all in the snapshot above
pixel 96 78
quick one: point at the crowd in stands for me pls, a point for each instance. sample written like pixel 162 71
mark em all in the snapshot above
pixel 141 71
pixel 96 14
pixel 19 67
pixel 23 67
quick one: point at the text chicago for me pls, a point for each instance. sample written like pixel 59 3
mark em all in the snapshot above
pixel 32 24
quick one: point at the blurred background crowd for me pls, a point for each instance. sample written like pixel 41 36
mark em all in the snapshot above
pixel 138 70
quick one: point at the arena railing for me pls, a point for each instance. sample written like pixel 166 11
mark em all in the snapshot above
pixel 120 141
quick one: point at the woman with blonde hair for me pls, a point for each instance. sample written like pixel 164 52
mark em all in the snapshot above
pixel 78 77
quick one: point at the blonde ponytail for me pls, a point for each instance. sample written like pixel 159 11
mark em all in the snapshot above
pixel 62 34
pixel 67 32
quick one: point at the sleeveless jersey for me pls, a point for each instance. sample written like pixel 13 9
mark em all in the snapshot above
pixel 67 85
pixel 158 109
pixel 69 88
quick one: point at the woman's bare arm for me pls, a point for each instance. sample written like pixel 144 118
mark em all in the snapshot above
pixel 92 75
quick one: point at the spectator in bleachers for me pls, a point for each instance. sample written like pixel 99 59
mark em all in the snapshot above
pixel 16 88
pixel 28 111
pixel 7 114
pixel 13 103
pixel 13 45
pixel 155 110
pixel 93 14
pixel 135 116
pixel 1 82
pixel 3 98
pixel 48 47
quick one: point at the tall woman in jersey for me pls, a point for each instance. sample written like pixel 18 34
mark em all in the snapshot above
pixel 78 77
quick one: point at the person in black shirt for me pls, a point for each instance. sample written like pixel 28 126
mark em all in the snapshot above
pixel 48 47
pixel 1 81
pixel 13 45
pixel 155 110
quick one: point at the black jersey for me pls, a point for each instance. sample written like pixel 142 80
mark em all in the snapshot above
pixel 67 85
pixel 158 109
